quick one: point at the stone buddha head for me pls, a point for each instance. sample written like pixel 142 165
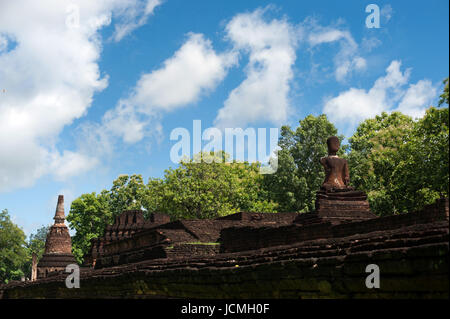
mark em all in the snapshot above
pixel 333 145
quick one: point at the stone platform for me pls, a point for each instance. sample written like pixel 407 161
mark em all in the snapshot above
pixel 338 207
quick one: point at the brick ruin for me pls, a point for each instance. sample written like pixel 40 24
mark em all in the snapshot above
pixel 133 239
pixel 246 238
pixel 319 254
pixel 262 255
pixel 58 246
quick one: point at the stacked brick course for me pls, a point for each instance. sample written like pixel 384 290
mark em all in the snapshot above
pixel 177 239
pixel 249 237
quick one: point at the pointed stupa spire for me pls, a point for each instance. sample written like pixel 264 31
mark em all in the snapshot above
pixel 58 245
pixel 59 214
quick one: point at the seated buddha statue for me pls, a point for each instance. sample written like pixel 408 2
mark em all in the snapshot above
pixel 337 177
pixel 336 201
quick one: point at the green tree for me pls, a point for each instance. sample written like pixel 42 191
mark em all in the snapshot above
pixel 402 164
pixel 422 175
pixel 13 252
pixel 444 96
pixel 208 186
pixel 35 245
pixel 300 174
pixel 127 192
pixel 374 156
pixel 89 215
pixel 36 241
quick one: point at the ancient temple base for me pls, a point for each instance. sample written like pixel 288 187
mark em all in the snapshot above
pixel 338 207
pixel 54 264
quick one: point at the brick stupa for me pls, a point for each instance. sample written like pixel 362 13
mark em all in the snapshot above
pixel 58 245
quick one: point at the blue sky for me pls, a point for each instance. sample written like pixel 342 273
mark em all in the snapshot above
pixel 91 90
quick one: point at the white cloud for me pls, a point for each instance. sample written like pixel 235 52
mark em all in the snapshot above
pixel 368 44
pixel 124 121
pixel 70 163
pixel 355 105
pixel 194 70
pixel 347 59
pixel 330 35
pixel 417 98
pixel 133 16
pixel 49 78
pixel 263 95
pixel 3 43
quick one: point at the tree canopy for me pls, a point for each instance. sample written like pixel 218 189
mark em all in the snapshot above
pixel 402 164
pixel 13 251
pixel 203 187
pixel 35 245
pixel 445 95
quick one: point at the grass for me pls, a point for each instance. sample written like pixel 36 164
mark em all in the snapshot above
pixel 200 243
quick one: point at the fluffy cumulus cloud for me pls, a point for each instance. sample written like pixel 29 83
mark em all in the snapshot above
pixel 48 75
pixel 70 163
pixel 417 98
pixel 264 94
pixel 389 93
pixel 194 70
pixel 347 59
